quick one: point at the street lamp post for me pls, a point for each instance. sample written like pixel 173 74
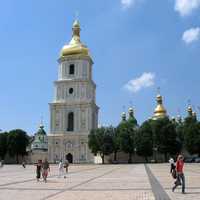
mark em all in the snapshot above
pixel 155 153
pixel 135 151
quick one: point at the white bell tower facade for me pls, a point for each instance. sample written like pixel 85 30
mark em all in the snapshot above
pixel 73 113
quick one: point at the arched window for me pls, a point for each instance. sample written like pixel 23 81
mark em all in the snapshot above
pixel 71 69
pixel 70 126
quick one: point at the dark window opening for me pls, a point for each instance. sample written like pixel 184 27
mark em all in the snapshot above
pixel 71 69
pixel 71 90
pixel 70 122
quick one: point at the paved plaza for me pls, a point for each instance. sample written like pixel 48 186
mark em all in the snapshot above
pixel 98 182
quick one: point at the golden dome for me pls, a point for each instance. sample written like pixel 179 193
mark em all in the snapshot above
pixel 75 46
pixel 159 110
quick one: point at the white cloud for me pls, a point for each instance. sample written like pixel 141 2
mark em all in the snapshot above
pixel 185 7
pixel 144 81
pixel 191 35
pixel 128 3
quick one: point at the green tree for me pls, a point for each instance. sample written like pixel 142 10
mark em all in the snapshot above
pixel 144 141
pixel 192 135
pixel 165 137
pixel 18 140
pixel 116 141
pixel 180 133
pixel 3 145
pixel 101 141
pixel 127 133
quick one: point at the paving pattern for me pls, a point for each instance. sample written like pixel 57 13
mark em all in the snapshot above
pixel 98 182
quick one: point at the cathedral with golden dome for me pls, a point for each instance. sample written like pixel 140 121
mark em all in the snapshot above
pixel 73 112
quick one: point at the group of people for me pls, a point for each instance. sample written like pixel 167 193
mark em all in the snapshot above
pixel 176 171
pixel 42 168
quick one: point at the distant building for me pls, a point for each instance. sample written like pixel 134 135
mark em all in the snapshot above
pixel 40 141
pixel 39 146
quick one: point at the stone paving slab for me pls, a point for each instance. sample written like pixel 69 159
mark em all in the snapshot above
pixel 97 182
pixel 105 195
pixel 192 178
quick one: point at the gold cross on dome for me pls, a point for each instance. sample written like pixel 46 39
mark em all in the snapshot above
pixel 189 102
pixel 76 15
pixel 158 90
pixel 131 103
pixel 124 108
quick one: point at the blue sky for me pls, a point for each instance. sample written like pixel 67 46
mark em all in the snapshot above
pixel 145 43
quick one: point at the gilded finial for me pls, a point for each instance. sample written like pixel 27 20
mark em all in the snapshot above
pixel 41 122
pixel 158 90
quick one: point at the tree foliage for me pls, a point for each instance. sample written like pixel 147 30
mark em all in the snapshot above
pixel 101 141
pixel 18 140
pixel 3 145
pixel 144 141
pixel 165 136
pixel 127 134
pixel 192 135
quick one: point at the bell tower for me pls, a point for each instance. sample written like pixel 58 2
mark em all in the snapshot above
pixel 73 112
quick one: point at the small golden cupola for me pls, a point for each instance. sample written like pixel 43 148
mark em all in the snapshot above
pixel 160 111
pixel 75 46
pixel 190 111
pixel 123 117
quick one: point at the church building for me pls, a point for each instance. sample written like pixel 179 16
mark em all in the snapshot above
pixel 73 112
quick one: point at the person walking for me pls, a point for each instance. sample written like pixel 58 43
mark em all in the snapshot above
pixel 23 164
pixel 180 175
pixel 66 166
pixel 2 163
pixel 45 169
pixel 38 169
pixel 60 168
